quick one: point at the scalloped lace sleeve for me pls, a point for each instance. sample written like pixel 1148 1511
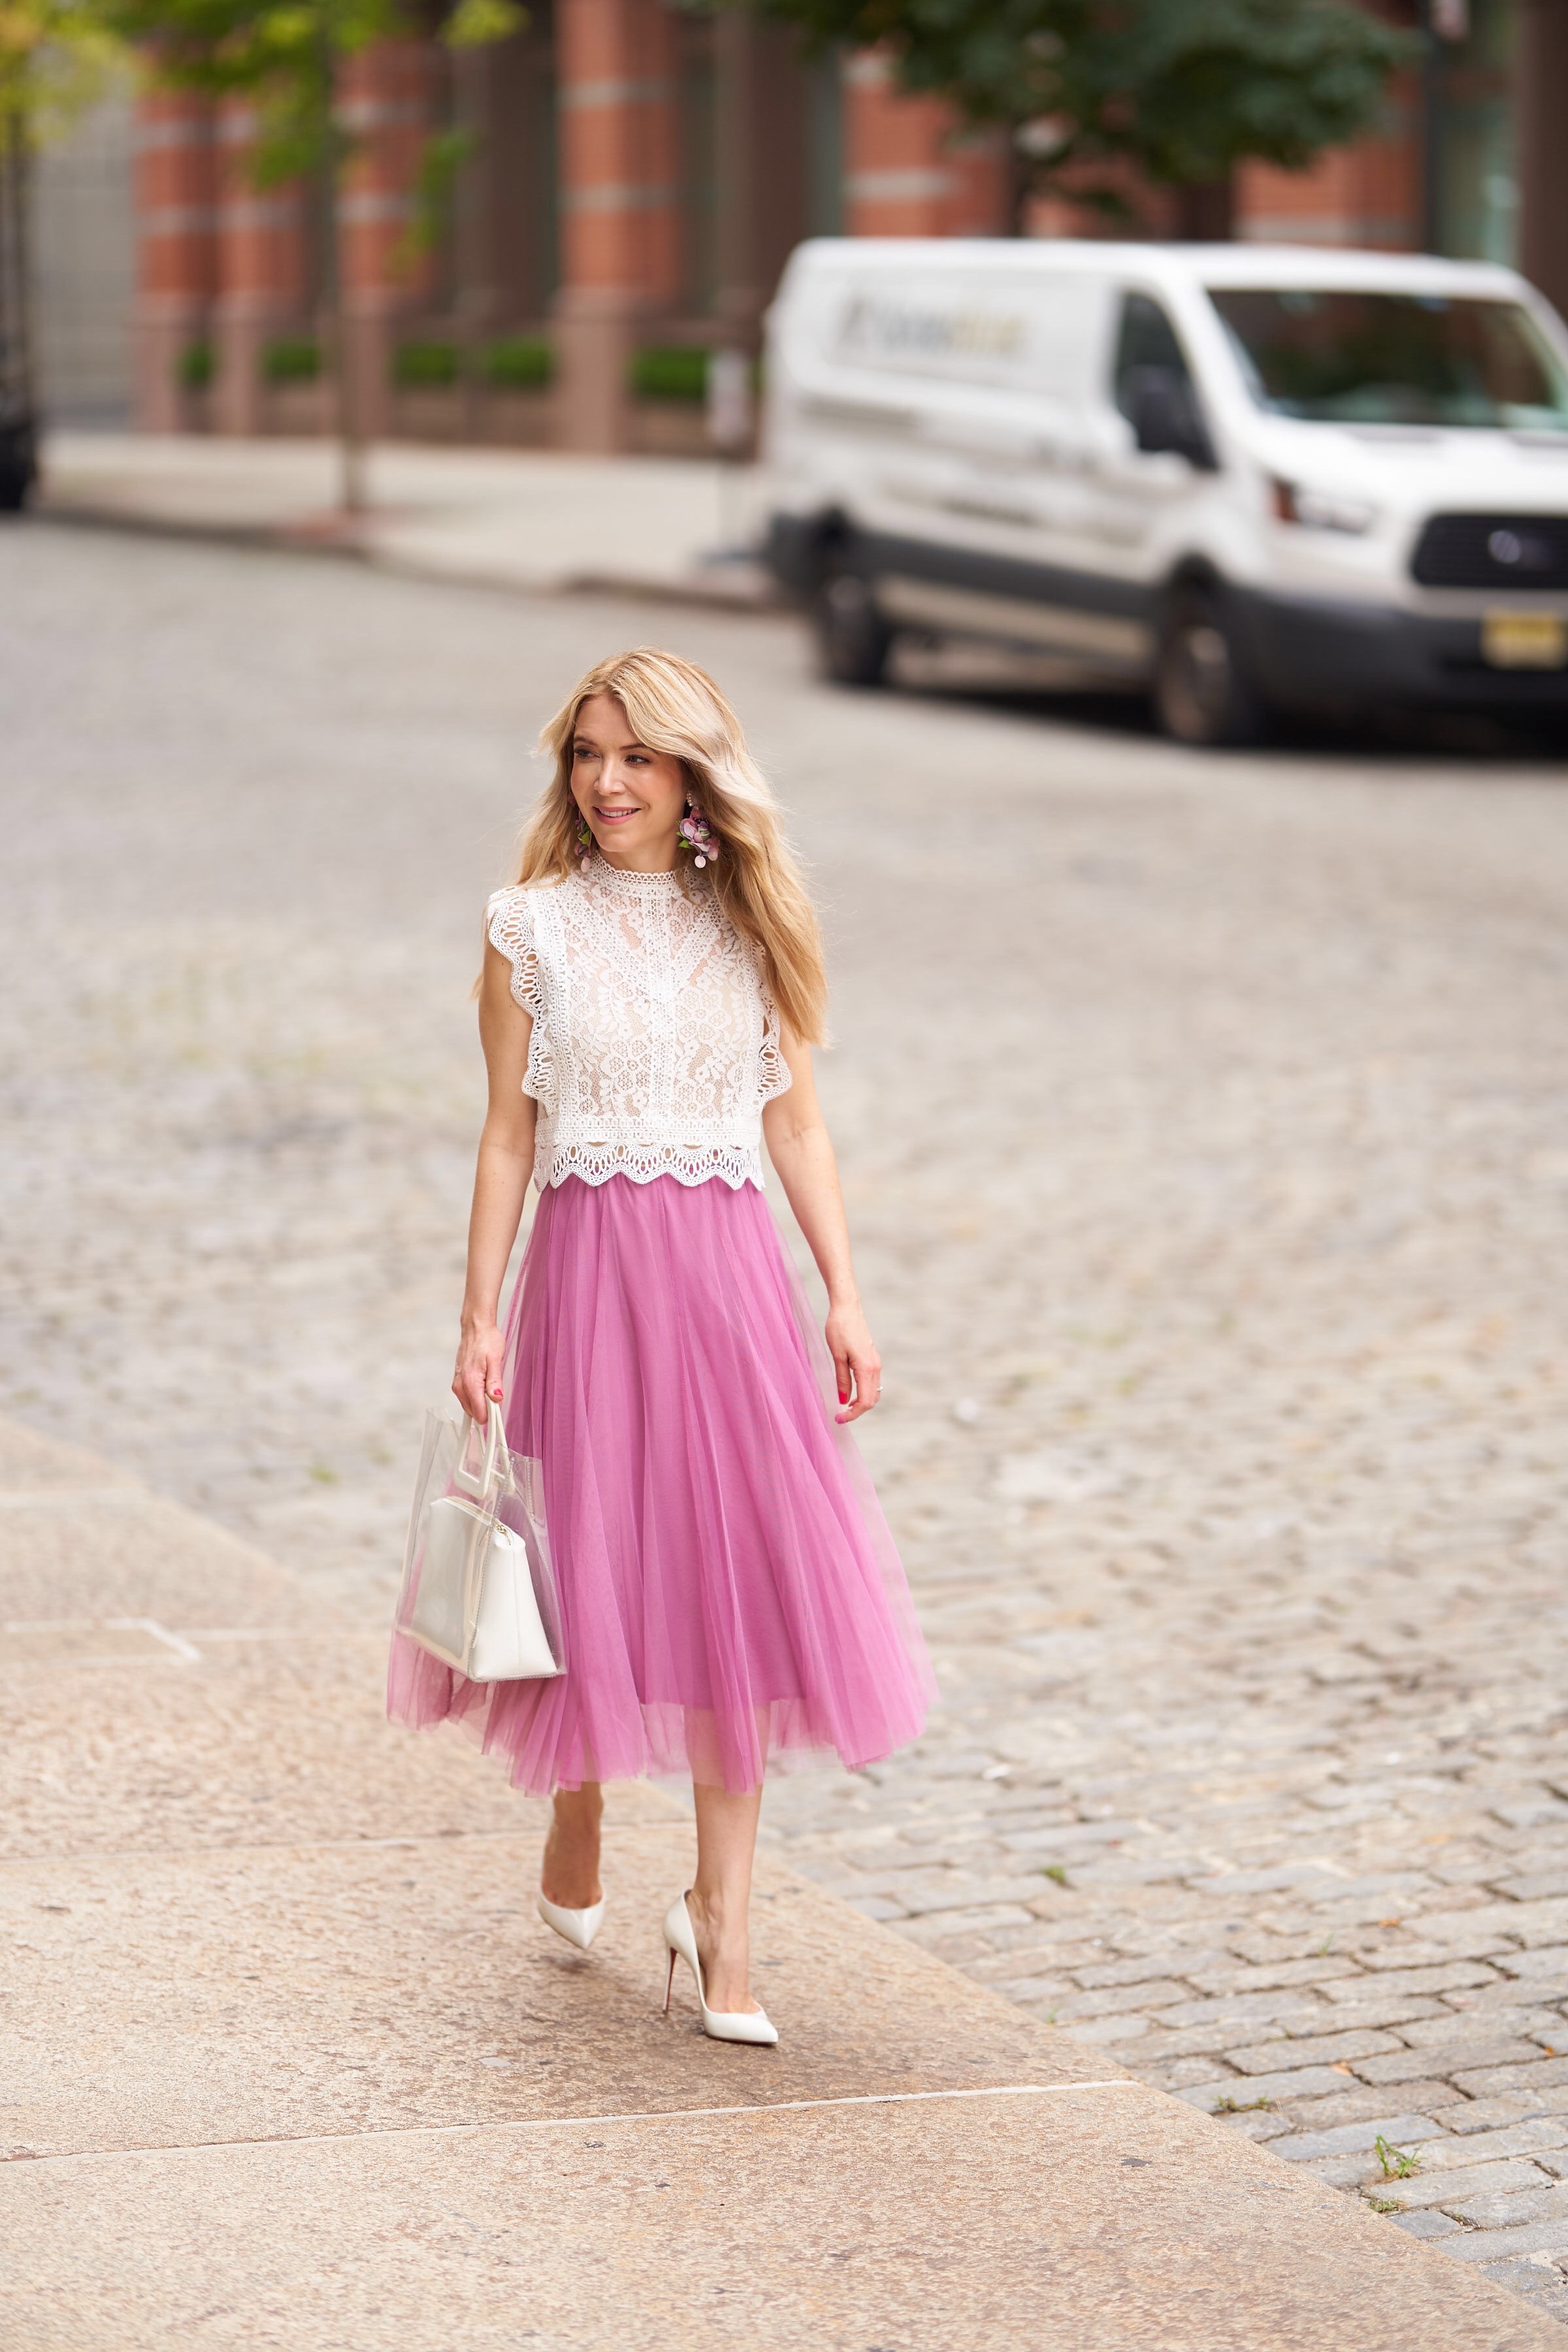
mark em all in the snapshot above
pixel 509 925
pixel 774 1076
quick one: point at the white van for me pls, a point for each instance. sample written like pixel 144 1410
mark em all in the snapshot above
pixel 1241 475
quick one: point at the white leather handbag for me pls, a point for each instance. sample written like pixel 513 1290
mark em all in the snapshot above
pixel 478 1585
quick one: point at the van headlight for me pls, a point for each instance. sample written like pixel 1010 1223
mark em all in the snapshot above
pixel 1322 509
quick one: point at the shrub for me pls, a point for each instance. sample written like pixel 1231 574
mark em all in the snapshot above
pixel 671 372
pixel 426 367
pixel 293 359
pixel 195 367
pixel 518 364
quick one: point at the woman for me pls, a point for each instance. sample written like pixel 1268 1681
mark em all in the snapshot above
pixel 729 1595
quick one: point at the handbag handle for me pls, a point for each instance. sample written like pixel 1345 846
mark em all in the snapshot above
pixel 494 1446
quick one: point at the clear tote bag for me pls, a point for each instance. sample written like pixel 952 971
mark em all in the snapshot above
pixel 478 1589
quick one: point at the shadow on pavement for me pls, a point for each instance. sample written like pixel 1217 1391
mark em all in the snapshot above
pixel 1031 687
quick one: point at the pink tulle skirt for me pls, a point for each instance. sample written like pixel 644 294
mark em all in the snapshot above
pixel 730 1596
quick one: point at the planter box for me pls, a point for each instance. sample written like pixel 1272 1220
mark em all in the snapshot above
pixel 296 411
pixel 671 428
pixel 518 420
pixel 437 413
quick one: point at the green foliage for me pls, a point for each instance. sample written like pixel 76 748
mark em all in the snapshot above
pixel 195 367
pixel 426 366
pixel 292 358
pixel 669 372
pixel 56 57
pixel 474 24
pixel 285 54
pixel 1396 2164
pixel 518 364
pixel 1183 89
pixel 442 157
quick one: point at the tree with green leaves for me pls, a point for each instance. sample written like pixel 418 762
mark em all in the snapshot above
pixel 288 57
pixel 56 57
pixel 1180 90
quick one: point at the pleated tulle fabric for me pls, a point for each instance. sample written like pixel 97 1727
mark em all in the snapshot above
pixel 730 1596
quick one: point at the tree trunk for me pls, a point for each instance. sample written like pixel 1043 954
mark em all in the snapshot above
pixel 474 113
pixel 1206 212
pixel 1019 183
pixel 342 375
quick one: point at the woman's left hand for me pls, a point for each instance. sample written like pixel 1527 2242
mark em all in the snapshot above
pixel 855 1360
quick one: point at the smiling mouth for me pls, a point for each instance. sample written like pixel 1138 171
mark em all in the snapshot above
pixel 613 815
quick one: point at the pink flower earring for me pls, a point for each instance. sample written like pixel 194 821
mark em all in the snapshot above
pixel 586 839
pixel 697 835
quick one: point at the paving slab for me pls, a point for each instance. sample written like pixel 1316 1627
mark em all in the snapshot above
pixel 161 2002
pixel 1061 2221
pixel 294 2064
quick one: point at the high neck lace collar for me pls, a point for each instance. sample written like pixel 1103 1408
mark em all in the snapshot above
pixel 603 876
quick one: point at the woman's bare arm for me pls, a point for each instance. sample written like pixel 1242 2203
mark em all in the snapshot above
pixel 500 1185
pixel 802 1151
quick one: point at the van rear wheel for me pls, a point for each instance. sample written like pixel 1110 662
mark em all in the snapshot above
pixel 1203 694
pixel 853 639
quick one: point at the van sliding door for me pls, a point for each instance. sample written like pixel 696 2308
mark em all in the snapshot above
pixel 985 514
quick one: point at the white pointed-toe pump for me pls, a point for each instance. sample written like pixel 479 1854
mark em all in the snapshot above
pixel 723 2025
pixel 579 1927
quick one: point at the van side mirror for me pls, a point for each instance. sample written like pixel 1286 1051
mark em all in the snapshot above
pixel 1160 405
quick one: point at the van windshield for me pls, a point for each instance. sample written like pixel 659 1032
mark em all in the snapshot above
pixel 1395 359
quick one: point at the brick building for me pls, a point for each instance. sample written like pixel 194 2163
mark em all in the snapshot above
pixel 637 176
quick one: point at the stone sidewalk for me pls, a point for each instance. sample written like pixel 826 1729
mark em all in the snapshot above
pixel 513 519
pixel 288 2060
pixel 1205 1129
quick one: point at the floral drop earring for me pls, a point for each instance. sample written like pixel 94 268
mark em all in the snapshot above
pixel 586 839
pixel 697 835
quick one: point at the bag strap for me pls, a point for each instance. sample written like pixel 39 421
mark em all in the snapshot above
pixel 496 1449
pixel 494 1454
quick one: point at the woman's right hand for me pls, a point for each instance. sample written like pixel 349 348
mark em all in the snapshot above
pixel 477 1381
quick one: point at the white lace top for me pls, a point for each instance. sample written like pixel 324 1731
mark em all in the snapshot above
pixel 655 1041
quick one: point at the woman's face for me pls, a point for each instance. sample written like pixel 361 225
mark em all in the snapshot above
pixel 633 798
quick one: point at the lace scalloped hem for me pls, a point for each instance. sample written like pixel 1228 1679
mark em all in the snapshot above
pixel 724 1163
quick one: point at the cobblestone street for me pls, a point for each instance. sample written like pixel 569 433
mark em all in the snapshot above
pixel 1205 1123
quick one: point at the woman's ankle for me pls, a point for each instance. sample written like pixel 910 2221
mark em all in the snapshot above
pixel 717 1922
pixel 569 1871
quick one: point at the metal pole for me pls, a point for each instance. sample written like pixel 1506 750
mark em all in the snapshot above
pixel 11 327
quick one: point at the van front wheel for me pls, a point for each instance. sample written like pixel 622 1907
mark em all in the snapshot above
pixel 1202 692
pixel 853 639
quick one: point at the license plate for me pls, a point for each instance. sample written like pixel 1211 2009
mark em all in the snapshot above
pixel 1525 640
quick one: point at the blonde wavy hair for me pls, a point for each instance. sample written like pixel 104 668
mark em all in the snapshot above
pixel 675 708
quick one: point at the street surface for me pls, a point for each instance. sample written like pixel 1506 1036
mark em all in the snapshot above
pixel 1205 1125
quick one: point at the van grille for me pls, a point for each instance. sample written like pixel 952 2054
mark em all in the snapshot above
pixel 1476 551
